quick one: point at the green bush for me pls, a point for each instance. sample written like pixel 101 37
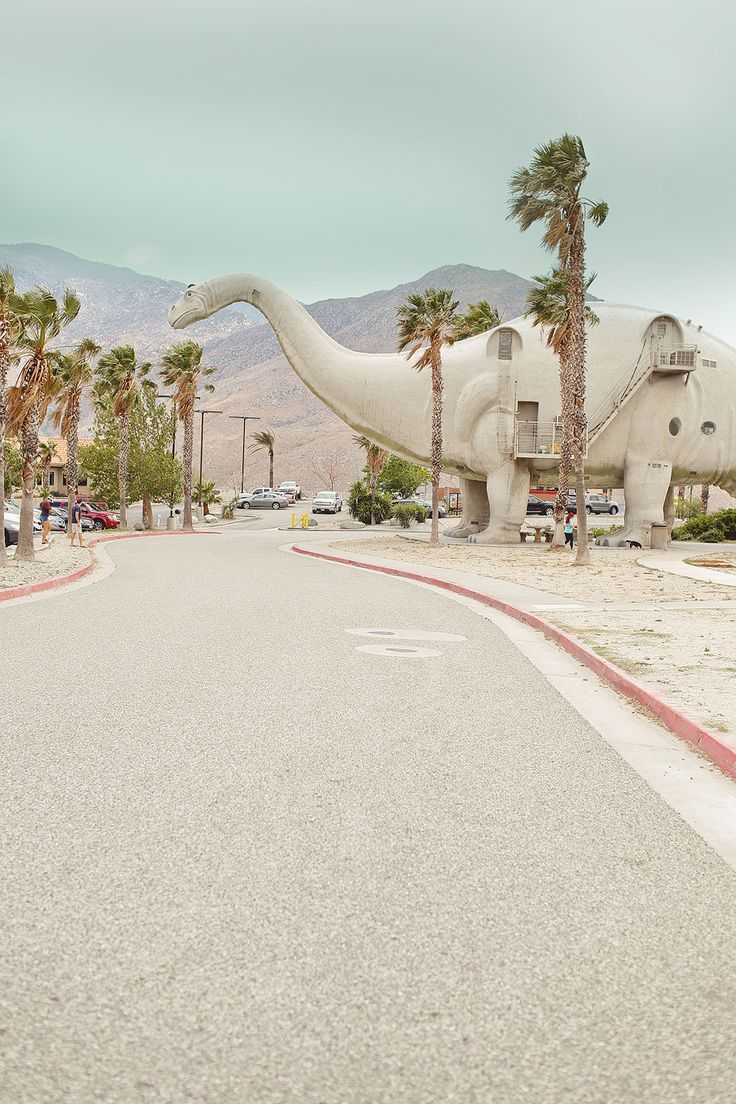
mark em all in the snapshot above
pixel 407 512
pixel 359 504
pixel 228 510
pixel 708 527
pixel 685 509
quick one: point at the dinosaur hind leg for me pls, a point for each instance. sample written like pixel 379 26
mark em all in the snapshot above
pixel 508 489
pixel 646 489
pixel 475 509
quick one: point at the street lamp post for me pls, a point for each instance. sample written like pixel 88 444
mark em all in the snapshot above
pixel 201 446
pixel 243 418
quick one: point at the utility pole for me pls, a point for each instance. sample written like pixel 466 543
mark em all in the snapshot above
pixel 173 444
pixel 243 418
pixel 201 445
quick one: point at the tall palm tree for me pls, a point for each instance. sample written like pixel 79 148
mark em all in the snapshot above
pixel 426 322
pixel 74 375
pixel 42 318
pixel 548 305
pixel 375 462
pixel 549 191
pixel 46 456
pixel 477 319
pixel 121 381
pixel 264 439
pixel 8 330
pixel 182 369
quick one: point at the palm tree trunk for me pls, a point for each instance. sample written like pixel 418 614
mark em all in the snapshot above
pixel 704 496
pixel 565 467
pixel 187 456
pixel 4 359
pixel 72 459
pixel 373 480
pixel 577 380
pixel 29 451
pixel 270 468
pixel 436 466
pixel 123 470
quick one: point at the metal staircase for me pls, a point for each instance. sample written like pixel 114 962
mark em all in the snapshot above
pixel 654 360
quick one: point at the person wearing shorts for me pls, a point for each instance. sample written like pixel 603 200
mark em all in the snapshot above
pixel 569 530
pixel 76 527
pixel 45 509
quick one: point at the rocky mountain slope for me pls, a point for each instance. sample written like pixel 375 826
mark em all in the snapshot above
pixel 252 376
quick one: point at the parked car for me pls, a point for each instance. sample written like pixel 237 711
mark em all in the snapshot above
pixel 426 503
pixel 12 528
pixel 87 523
pixel 289 487
pixel 12 506
pixel 270 500
pixel 327 502
pixel 594 504
pixel 101 519
pixel 535 505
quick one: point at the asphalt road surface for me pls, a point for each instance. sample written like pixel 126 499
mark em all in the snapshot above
pixel 245 862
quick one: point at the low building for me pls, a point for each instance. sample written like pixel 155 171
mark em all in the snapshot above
pixel 57 472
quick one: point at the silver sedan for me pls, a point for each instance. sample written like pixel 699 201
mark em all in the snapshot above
pixel 268 500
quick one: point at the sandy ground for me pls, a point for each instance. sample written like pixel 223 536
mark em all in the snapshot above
pixel 55 559
pixel 687 654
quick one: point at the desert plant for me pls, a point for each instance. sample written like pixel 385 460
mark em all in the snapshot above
pixel 207 493
pixel 182 369
pixel 41 319
pixel 375 461
pixel 265 439
pixel 370 509
pixel 228 509
pixel 548 191
pixel 426 322
pixel 712 527
pixel 407 512
pixel 122 380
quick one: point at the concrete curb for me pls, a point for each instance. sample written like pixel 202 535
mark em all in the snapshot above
pixel 718 748
pixel 64 580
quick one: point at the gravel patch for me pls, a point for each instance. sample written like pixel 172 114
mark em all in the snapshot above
pixel 53 560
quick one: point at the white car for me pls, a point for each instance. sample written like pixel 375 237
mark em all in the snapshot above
pixel 327 502
pixel 290 488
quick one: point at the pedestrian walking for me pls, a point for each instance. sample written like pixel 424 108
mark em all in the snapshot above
pixel 77 523
pixel 569 529
pixel 45 509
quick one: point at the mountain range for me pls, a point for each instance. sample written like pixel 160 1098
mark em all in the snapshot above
pixel 120 306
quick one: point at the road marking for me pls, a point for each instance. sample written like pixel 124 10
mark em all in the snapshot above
pixel 407 634
pixel 398 653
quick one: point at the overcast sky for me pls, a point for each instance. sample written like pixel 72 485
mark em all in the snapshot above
pixel 340 146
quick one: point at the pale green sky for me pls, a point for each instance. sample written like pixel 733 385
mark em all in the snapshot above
pixel 338 147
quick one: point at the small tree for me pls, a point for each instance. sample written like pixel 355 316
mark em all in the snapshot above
pixel 122 380
pixel 207 493
pixel 426 323
pixel 376 457
pixel 401 477
pixel 329 469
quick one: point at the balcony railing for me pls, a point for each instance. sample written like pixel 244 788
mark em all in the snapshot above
pixel 537 438
pixel 673 356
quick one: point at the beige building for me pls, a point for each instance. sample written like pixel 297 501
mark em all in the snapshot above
pixel 57 474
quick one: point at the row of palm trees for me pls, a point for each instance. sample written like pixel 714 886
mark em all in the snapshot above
pixel 548 191
pixel 52 379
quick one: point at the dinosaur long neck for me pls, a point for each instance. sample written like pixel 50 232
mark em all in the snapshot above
pixel 377 394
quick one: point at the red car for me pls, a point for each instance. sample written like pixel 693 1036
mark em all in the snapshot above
pixel 101 519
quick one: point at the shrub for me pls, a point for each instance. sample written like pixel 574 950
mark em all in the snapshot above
pixel 407 512
pixel 685 509
pixel 228 509
pixel 719 527
pixel 359 504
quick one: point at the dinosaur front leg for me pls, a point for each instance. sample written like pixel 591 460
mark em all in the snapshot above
pixel 508 490
pixel 475 512
pixel 669 510
pixel 646 488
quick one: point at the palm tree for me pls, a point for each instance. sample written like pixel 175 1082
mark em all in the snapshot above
pixel 182 369
pixel 548 305
pixel 42 318
pixel 121 381
pixel 477 319
pixel 375 462
pixel 46 456
pixel 264 439
pixel 426 322
pixel 207 493
pixel 549 192
pixel 74 376
pixel 8 331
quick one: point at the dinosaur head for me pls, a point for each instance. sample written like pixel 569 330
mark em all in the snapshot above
pixel 194 305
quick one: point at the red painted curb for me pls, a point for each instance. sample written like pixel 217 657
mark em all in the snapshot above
pixel 64 580
pixel 710 743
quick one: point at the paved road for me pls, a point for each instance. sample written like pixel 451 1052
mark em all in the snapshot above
pixel 262 868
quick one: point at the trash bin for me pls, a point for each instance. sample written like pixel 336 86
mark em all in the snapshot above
pixel 658 536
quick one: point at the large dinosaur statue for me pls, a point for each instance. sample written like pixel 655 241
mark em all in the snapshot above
pixel 661 404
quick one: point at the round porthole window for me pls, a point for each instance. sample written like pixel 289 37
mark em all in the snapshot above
pixel 675 426
pixel 708 428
